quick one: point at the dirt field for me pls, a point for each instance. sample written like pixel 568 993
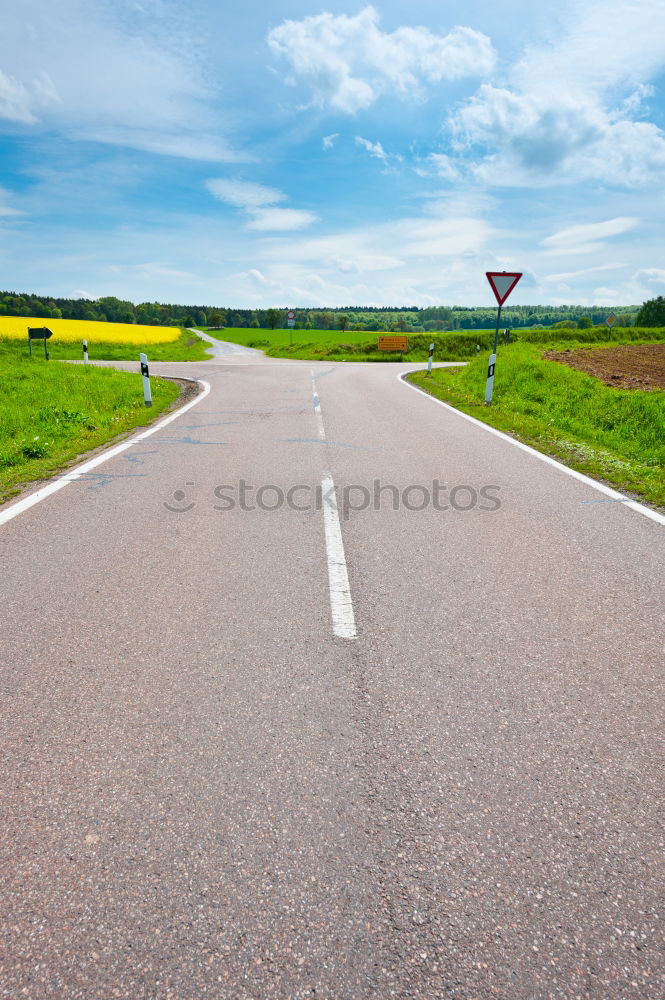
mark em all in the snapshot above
pixel 630 366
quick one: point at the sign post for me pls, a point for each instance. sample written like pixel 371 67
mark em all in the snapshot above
pixel 147 395
pixel 502 283
pixel 39 333
pixel 429 359
pixel 291 321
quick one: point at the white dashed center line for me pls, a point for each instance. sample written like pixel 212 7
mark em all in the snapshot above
pixel 341 603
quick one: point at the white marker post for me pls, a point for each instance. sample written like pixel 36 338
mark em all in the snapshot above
pixel 502 283
pixel 147 395
pixel 291 322
pixel 429 360
pixel 85 352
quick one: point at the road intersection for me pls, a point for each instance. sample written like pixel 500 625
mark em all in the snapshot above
pixel 212 788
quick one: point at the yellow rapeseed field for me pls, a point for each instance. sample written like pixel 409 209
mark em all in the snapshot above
pixel 72 330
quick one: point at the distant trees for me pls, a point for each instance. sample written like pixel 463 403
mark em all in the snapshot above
pixel 272 318
pixel 217 318
pixel 652 313
pixel 370 319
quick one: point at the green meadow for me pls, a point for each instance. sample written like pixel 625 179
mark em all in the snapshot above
pixel 615 435
pixel 358 345
pixel 188 347
pixel 52 413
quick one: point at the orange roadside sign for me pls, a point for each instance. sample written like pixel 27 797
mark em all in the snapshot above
pixel 393 343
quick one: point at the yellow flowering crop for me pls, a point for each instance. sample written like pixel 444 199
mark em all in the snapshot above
pixel 73 330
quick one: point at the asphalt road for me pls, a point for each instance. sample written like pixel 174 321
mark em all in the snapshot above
pixel 206 792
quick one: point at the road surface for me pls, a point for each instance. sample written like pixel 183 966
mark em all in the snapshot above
pixel 317 753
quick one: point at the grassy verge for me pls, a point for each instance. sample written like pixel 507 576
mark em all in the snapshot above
pixel 612 434
pixel 359 345
pixel 50 414
pixel 187 347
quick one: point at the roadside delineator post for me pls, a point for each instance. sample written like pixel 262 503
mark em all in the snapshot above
pixel 429 360
pixel 147 396
pixel 502 283
pixel 85 352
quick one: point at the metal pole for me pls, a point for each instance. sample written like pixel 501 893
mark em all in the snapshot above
pixel 30 344
pixel 489 385
pixel 147 396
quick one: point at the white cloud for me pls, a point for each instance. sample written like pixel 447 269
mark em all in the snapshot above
pixel 244 194
pixel 566 276
pixel 654 275
pixel 444 166
pixel 373 148
pixel 18 101
pixel 559 117
pixel 281 219
pixel 116 73
pixel 348 62
pixel 329 140
pixel 6 210
pixel 258 202
pixel 587 238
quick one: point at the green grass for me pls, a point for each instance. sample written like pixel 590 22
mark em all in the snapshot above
pixel 359 345
pixel 612 434
pixel 188 347
pixel 51 413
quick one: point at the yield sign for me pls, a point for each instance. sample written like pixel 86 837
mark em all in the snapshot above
pixel 502 283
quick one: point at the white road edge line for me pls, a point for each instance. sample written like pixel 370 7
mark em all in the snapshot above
pixel 341 603
pixel 627 502
pixel 80 470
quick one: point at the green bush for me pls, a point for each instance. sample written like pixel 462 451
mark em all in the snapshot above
pixel 652 313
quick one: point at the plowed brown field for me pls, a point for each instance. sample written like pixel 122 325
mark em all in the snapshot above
pixel 629 366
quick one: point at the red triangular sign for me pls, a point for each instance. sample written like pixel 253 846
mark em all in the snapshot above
pixel 502 283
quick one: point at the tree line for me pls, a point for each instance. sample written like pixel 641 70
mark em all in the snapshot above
pixel 398 318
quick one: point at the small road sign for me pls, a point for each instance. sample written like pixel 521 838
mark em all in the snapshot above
pixel 611 320
pixel 291 322
pixel 39 333
pixel 393 343
pixel 502 283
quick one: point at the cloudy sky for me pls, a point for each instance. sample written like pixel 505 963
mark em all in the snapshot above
pixel 287 153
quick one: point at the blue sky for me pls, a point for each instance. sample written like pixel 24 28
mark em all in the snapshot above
pixel 344 154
